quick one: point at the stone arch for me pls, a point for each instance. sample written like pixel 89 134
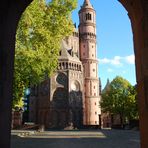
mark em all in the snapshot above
pixel 66 65
pixel 70 65
pixel 63 65
pixel 10 15
pixel 62 79
pixel 60 105
pixel 60 98
pixel 75 67
pixel 137 13
pixel 75 104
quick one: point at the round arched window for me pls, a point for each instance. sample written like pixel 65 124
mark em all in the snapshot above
pixel 62 79
pixel 75 86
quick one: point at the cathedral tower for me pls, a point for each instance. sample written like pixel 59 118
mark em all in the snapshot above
pixel 88 56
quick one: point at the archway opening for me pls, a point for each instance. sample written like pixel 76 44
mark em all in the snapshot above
pixel 139 41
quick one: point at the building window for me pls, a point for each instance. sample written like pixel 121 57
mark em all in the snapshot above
pixel 95 103
pixel 92 55
pixel 83 53
pixel 94 87
pixel 95 122
pixel 92 46
pixel 94 94
pixel 88 16
pixel 93 70
pixel 95 113
pixel 84 46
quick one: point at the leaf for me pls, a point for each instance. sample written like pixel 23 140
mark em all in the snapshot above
pixel 119 98
pixel 39 34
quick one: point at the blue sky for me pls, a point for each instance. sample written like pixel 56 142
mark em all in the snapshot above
pixel 114 40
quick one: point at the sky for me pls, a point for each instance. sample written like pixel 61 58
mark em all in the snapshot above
pixel 114 40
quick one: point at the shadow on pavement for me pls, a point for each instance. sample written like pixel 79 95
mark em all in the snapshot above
pixel 79 139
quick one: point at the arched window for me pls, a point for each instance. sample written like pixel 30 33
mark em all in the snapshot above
pixel 75 67
pixel 70 65
pixel 63 64
pixel 88 16
pixel 66 65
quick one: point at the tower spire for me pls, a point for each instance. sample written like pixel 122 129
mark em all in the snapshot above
pixel 87 4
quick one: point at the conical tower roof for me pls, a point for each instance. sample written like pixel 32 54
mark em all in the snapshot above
pixel 87 4
pixel 107 86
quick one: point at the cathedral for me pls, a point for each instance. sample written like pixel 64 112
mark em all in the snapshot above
pixel 70 97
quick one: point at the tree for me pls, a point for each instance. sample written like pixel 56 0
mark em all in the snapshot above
pixel 40 31
pixel 120 99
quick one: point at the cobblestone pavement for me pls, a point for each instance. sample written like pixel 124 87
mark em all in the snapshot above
pixel 76 139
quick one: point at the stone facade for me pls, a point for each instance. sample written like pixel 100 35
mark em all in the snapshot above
pixel 70 98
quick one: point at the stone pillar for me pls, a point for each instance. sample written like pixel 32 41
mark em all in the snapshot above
pixel 142 79
pixel 137 11
pixel 10 12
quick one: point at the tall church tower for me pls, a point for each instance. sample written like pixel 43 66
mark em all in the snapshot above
pixel 88 56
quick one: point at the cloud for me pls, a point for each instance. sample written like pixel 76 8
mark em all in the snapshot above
pixel 130 59
pixel 115 61
pixel 104 61
pixel 118 60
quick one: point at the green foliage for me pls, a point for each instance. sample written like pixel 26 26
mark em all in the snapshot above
pixel 120 98
pixel 39 34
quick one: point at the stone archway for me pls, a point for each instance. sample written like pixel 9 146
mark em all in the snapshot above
pixel 137 11
pixel 10 12
pixel 75 104
pixel 60 107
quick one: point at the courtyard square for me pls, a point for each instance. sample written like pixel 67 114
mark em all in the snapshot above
pixel 76 139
